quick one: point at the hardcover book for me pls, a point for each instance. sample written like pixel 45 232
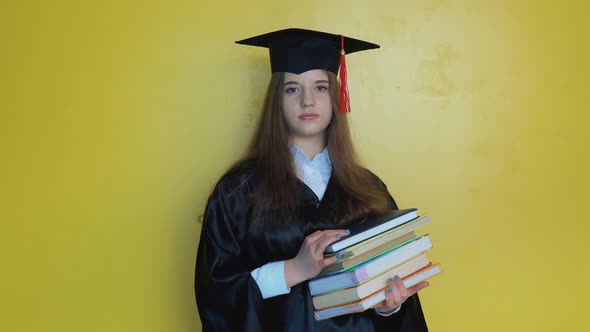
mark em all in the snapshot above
pixel 373 226
pixel 375 241
pixel 352 261
pixel 361 291
pixel 369 269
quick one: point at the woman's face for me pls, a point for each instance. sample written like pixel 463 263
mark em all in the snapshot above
pixel 306 104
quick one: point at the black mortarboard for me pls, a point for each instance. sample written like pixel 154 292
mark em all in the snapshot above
pixel 299 50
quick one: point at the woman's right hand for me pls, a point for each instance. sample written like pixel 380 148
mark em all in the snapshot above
pixel 310 260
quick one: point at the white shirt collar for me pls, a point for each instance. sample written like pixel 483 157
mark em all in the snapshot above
pixel 314 173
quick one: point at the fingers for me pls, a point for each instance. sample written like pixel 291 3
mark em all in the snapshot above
pixel 395 294
pixel 310 259
pixel 320 240
pixel 401 292
pixel 330 238
pixel 320 234
pixel 330 260
pixel 416 288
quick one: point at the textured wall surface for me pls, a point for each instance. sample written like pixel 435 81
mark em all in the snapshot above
pixel 117 118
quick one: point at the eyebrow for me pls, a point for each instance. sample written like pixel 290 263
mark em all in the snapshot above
pixel 318 81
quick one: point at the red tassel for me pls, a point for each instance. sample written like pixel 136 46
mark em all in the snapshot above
pixel 344 95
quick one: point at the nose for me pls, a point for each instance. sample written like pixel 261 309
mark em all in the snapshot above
pixel 307 99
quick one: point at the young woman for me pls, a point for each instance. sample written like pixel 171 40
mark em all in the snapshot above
pixel 272 215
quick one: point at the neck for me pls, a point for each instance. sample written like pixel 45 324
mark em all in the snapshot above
pixel 310 147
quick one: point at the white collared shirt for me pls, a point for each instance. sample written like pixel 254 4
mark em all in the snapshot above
pixel 315 173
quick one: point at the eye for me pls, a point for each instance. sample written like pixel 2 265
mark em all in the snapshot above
pixel 291 90
pixel 322 88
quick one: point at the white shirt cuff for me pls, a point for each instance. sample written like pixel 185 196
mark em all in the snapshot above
pixel 388 313
pixel 271 279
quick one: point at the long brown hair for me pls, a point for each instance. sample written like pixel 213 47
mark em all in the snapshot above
pixel 358 193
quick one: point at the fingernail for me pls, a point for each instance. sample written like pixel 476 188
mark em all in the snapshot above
pixel 337 236
pixel 389 290
pixel 390 279
pixel 346 254
pixel 347 231
pixel 396 277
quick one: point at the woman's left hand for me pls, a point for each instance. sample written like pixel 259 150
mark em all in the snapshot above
pixel 397 293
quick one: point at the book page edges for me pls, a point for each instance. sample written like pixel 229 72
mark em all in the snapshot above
pixel 415 264
pixel 374 242
pixel 371 232
pixel 423 271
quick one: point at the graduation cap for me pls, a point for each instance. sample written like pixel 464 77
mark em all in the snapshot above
pixel 299 50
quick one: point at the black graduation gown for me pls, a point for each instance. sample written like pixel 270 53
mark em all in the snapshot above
pixel 228 298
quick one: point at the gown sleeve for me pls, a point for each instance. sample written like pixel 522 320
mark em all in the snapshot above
pixel 228 298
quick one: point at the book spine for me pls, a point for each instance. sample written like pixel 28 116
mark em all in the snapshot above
pixel 384 223
pixel 359 276
pixel 357 293
pixel 398 256
pixel 348 309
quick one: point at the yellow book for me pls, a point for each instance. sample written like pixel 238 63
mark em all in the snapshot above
pixel 349 262
pixel 382 238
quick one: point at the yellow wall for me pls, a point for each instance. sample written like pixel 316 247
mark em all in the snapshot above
pixel 118 116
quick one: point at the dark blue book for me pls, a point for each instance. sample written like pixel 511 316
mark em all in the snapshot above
pixel 373 226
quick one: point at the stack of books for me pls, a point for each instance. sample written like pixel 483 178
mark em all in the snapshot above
pixel 376 250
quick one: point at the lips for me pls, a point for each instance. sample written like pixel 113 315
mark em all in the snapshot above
pixel 308 116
